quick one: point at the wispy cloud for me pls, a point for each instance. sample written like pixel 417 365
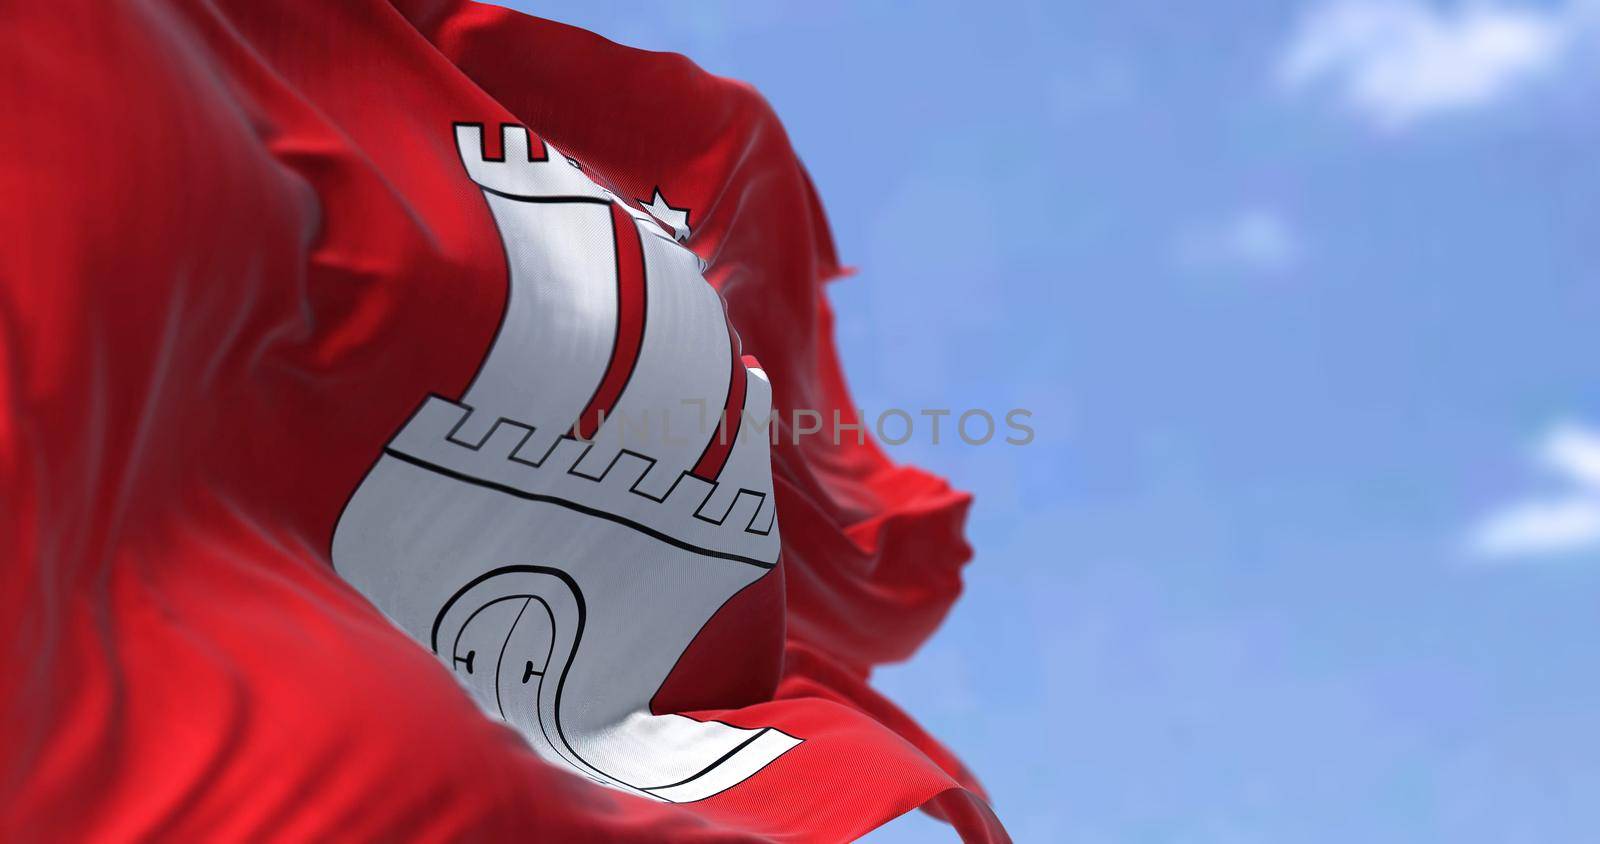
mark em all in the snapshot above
pixel 1574 451
pixel 1254 239
pixel 1561 523
pixel 1398 62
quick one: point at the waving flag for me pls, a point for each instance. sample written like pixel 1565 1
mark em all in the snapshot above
pixel 372 369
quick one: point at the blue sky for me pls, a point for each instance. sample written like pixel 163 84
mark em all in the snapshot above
pixel 1303 298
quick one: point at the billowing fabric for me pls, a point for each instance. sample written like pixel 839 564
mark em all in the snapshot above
pixel 330 337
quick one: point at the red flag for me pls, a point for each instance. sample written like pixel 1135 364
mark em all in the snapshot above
pixel 362 379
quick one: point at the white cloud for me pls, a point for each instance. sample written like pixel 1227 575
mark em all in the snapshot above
pixel 1574 451
pixel 1400 61
pixel 1540 527
pixel 1255 239
pixel 1556 524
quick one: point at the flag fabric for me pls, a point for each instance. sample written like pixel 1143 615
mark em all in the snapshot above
pixel 406 437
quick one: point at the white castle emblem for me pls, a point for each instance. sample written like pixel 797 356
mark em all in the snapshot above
pixel 557 562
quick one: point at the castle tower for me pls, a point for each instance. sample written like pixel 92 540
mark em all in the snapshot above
pixel 561 532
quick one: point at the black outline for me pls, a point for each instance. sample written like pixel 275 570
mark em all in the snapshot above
pixel 772 520
pixel 571 657
pixel 514 455
pixel 733 343
pixel 546 200
pixel 763 498
pixel 688 228
pixel 500 658
pixel 506 130
pixel 650 704
pixel 574 506
pixel 725 757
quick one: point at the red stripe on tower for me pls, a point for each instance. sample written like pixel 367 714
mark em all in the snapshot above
pixel 726 431
pixel 630 324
